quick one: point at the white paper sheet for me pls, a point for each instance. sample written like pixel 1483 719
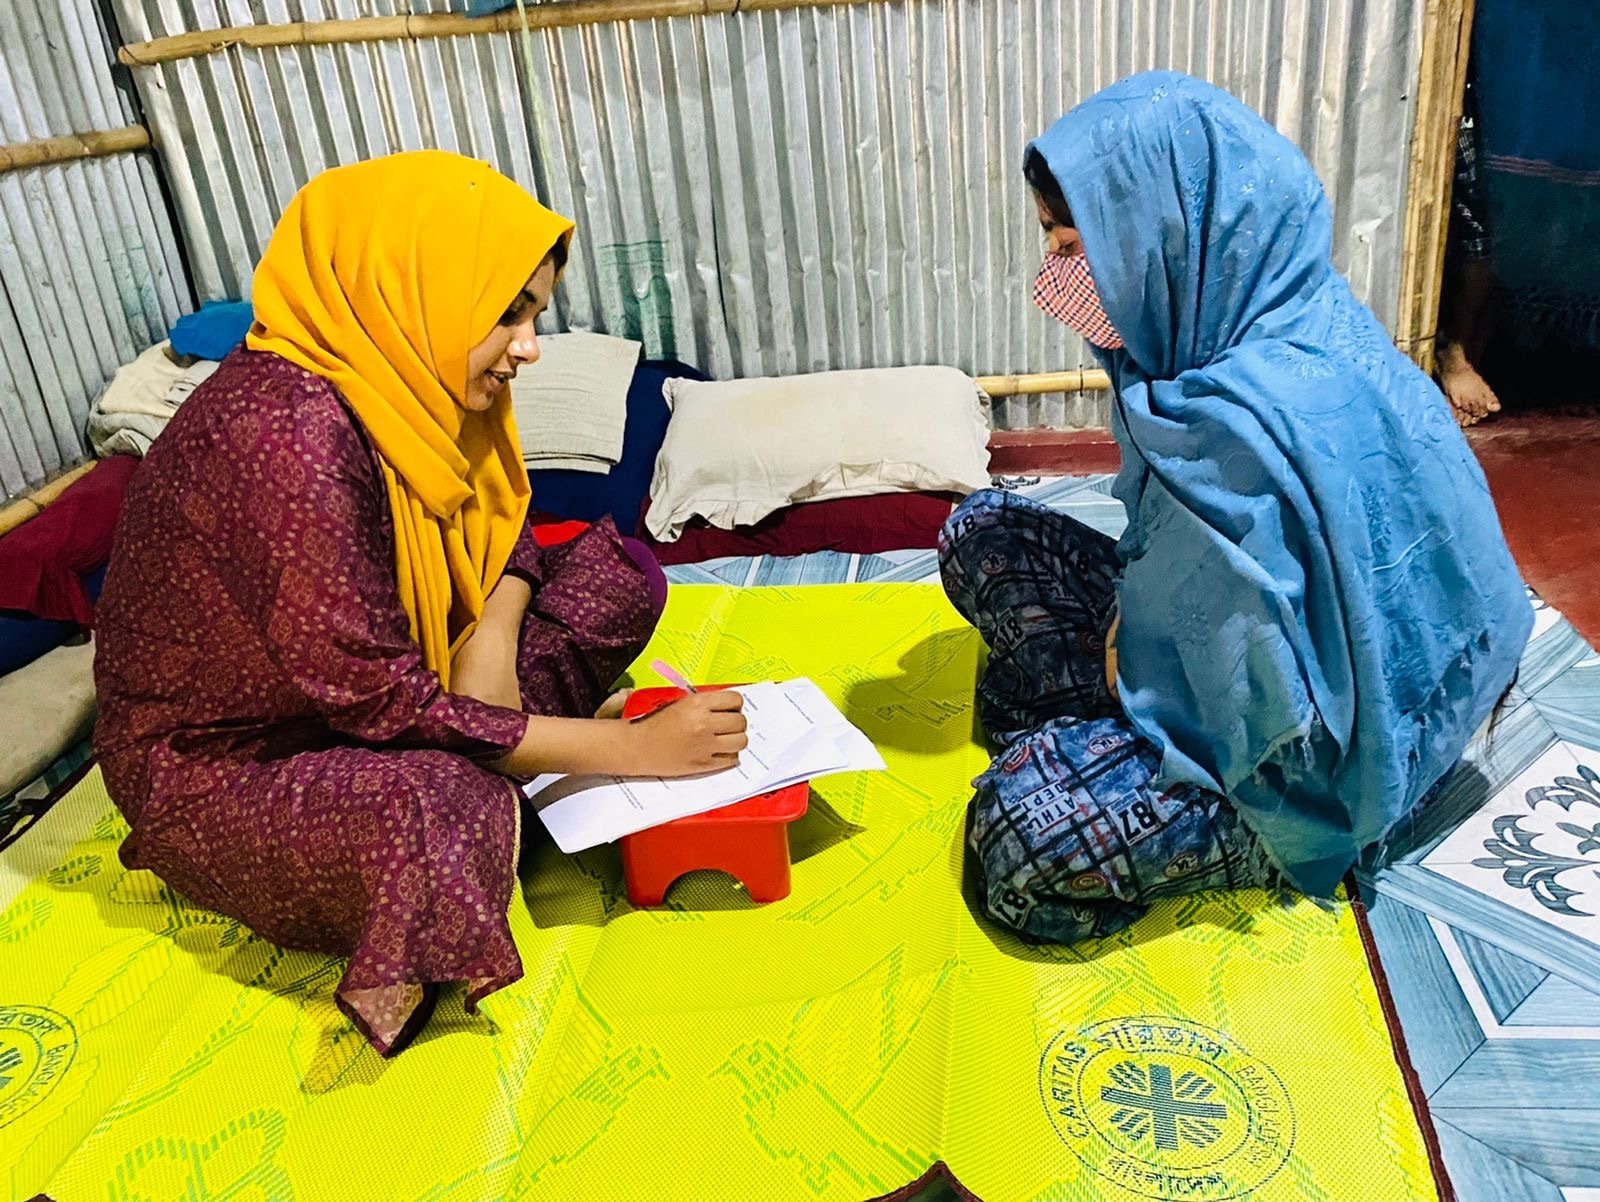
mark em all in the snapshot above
pixel 795 734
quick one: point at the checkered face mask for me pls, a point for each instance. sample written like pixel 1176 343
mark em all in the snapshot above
pixel 1065 290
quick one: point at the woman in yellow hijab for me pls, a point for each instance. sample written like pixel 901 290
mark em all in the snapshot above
pixel 327 640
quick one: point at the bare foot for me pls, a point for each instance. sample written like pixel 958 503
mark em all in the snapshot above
pixel 1469 394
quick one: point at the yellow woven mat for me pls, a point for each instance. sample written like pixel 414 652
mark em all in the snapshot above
pixel 832 1046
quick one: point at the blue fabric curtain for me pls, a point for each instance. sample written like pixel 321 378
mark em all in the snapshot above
pixel 1539 108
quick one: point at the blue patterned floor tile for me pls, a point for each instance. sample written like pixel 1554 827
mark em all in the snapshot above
pixel 822 567
pixel 871 567
pixel 1516 739
pixel 1522 757
pixel 1525 1074
pixel 1550 654
pixel 1571 702
pixel 1490 920
pixel 1490 1085
pixel 713 571
pixel 1558 1002
pixel 899 567
pixel 1481 1174
pixel 1560 1145
pixel 1440 1029
pixel 1507 980
pixel 1062 492
pixel 1088 499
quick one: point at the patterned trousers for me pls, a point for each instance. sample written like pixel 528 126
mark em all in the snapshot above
pixel 1071 834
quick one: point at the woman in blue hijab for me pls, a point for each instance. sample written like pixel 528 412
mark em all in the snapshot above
pixel 1313 608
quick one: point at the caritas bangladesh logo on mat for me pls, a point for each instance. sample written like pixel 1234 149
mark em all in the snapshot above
pixel 36 1047
pixel 1166 1108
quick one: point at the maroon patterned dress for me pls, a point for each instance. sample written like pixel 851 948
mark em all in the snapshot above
pixel 267 726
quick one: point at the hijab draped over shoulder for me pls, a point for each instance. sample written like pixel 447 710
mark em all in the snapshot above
pixel 382 277
pixel 1318 608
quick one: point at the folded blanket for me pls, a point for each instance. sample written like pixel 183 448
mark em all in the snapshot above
pixel 141 399
pixel 123 433
pixel 192 378
pixel 141 387
pixel 572 406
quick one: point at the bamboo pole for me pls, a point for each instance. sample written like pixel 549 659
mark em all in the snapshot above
pixel 14 514
pixel 29 507
pixel 1442 80
pixel 73 146
pixel 567 14
pixel 1037 383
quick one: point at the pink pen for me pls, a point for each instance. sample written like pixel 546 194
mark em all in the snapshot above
pixel 671 675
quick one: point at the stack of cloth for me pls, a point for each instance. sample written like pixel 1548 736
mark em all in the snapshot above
pixel 142 398
pixel 144 395
pixel 571 406
pixel 47 708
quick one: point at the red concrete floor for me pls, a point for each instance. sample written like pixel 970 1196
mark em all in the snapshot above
pixel 1053 453
pixel 1544 471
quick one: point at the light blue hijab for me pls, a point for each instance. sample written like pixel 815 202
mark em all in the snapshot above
pixel 1318 608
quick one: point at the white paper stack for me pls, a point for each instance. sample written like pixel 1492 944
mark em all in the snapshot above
pixel 795 734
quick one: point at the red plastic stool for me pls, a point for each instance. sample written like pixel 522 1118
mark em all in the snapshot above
pixel 748 840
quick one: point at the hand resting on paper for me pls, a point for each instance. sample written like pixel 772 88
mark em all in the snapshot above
pixel 700 734
pixel 795 735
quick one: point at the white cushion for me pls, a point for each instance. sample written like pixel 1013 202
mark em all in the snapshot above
pixel 45 707
pixel 738 451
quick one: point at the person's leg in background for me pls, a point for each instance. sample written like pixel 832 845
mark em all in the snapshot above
pixel 1465 309
pixel 592 614
pixel 655 579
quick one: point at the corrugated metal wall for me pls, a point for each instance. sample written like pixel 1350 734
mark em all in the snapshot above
pixel 785 191
pixel 89 267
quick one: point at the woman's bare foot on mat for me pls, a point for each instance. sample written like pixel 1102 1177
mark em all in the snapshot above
pixel 1469 394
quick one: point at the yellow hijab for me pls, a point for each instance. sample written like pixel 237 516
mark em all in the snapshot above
pixel 381 277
